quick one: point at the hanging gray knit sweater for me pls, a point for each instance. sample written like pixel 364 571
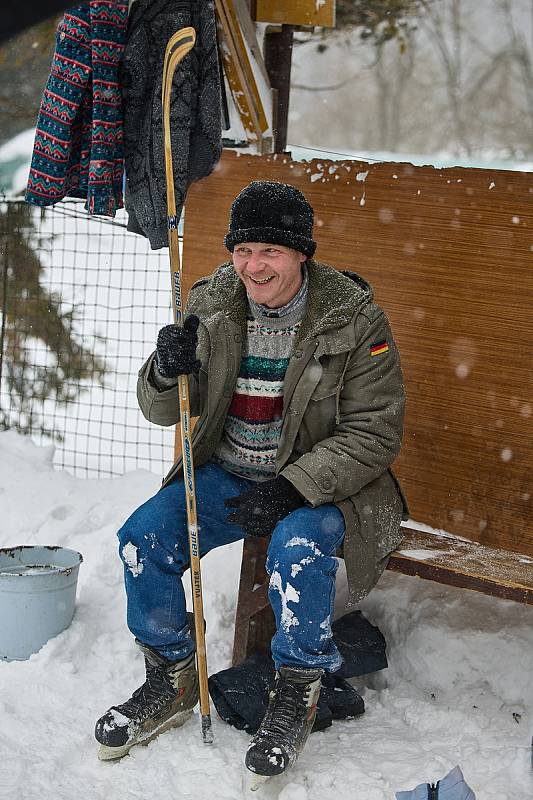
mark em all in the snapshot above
pixel 195 115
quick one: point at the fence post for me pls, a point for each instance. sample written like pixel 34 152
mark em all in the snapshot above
pixel 4 297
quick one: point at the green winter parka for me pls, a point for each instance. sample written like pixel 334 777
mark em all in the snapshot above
pixel 343 405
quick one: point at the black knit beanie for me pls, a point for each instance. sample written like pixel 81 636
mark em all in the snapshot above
pixel 268 211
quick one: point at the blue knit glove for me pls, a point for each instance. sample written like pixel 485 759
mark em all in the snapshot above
pixel 259 509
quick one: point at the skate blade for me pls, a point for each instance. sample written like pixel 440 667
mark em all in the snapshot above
pixel 106 753
pixel 257 781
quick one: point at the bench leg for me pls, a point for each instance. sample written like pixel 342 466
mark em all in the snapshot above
pixel 254 619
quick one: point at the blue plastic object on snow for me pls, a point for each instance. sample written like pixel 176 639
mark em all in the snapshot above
pixel 451 787
pixel 37 597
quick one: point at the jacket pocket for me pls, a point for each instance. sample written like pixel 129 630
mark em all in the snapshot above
pixel 377 511
pixel 372 533
pixel 322 392
pixel 397 484
pixel 328 383
pixel 318 419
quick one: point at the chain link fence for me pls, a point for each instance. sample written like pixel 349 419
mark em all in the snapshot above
pixel 81 301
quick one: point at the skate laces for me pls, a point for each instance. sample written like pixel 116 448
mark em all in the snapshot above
pixel 283 711
pixel 155 692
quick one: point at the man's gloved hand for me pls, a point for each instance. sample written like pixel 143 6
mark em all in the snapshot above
pixel 258 510
pixel 176 349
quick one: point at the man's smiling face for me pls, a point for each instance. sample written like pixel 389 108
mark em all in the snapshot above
pixel 271 273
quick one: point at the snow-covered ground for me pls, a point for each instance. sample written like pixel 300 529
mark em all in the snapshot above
pixel 458 690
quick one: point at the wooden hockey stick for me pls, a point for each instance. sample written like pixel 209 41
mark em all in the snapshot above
pixel 177 48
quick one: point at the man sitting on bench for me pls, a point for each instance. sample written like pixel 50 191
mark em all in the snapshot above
pixel 296 380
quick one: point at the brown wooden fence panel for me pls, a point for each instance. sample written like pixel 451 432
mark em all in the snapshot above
pixel 449 253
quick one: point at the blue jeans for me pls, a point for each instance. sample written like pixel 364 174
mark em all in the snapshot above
pixel 301 562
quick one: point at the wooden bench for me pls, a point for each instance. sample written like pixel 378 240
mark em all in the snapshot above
pixel 448 252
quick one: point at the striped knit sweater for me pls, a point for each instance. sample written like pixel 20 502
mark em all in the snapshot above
pixel 253 423
pixel 78 148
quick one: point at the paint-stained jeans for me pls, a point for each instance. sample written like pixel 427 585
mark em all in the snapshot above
pixel 301 563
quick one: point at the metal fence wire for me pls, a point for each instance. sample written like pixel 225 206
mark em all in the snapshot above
pixel 81 301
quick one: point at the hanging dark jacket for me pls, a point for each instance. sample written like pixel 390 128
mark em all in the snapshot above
pixel 195 115
pixel 343 402
pixel 78 150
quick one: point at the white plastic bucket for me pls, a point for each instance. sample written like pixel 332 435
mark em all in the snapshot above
pixel 37 597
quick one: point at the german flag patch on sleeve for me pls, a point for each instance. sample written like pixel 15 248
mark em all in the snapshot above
pixel 378 348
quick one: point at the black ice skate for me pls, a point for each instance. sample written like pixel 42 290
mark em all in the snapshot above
pixel 286 725
pixel 165 700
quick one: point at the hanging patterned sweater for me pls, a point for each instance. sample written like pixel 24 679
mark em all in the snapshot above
pixel 78 150
pixel 253 423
